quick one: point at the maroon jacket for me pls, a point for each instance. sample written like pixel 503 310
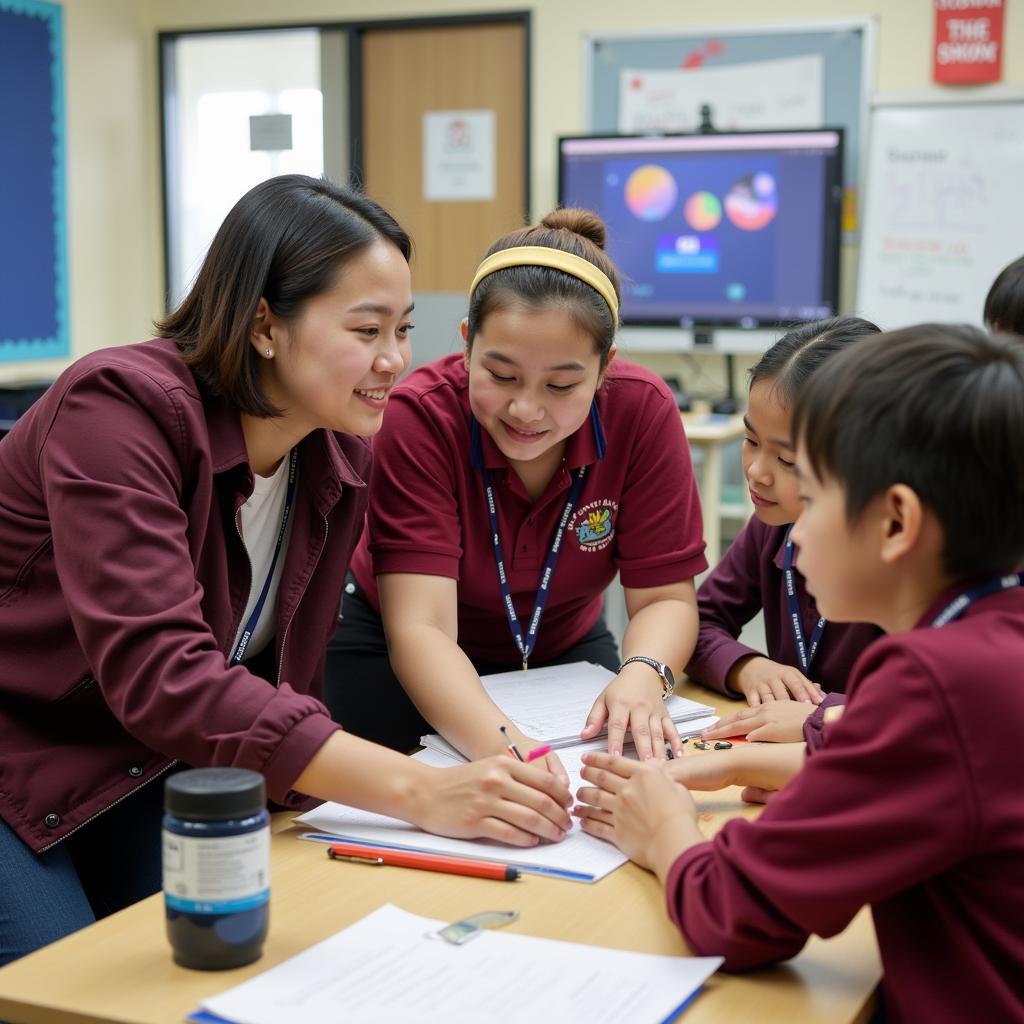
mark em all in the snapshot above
pixel 749 578
pixel 914 806
pixel 122 581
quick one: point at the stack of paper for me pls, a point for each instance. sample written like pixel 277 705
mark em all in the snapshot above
pixel 578 857
pixel 391 967
pixel 551 705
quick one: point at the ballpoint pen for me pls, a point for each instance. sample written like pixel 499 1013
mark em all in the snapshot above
pixel 360 854
pixel 509 745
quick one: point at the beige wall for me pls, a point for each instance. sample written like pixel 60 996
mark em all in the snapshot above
pixel 116 261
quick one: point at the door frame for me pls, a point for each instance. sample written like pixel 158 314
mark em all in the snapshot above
pixel 355 66
pixel 354 30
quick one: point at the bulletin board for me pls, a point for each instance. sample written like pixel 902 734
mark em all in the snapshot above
pixel 943 213
pixel 33 253
pixel 846 49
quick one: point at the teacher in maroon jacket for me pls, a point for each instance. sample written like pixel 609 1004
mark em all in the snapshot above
pixel 175 521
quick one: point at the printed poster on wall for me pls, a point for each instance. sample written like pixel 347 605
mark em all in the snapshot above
pixel 787 93
pixel 458 155
pixel 968 41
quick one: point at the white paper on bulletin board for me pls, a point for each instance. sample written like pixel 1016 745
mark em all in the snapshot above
pixel 943 213
pixel 787 93
pixel 458 155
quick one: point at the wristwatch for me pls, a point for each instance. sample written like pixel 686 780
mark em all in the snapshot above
pixel 667 681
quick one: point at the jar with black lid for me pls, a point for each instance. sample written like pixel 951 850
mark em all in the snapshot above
pixel 216 866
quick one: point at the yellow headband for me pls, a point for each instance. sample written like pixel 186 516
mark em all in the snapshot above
pixel 556 259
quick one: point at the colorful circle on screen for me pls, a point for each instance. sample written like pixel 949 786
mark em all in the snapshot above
pixel 703 211
pixel 651 192
pixel 752 202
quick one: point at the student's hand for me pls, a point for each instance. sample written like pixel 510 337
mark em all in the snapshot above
pixel 637 807
pixel 778 721
pixel 549 762
pixel 496 798
pixel 761 680
pixel 632 700
pixel 761 770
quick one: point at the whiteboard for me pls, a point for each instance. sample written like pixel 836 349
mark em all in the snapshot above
pixel 943 210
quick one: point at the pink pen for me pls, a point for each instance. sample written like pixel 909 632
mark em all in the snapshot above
pixel 538 752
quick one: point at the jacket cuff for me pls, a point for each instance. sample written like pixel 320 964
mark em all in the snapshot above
pixel 675 886
pixel 712 669
pixel 294 753
pixel 814 723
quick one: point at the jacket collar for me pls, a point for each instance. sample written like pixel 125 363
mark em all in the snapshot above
pixel 323 458
pixel 780 554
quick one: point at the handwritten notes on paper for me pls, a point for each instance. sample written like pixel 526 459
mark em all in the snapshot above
pixel 942 212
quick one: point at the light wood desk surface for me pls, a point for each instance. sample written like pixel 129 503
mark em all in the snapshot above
pixel 120 969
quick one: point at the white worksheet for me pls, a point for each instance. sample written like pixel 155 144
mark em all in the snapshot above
pixel 392 967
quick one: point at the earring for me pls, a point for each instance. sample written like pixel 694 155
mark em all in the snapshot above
pixel 270 353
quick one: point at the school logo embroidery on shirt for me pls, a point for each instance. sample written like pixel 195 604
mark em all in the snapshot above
pixel 594 524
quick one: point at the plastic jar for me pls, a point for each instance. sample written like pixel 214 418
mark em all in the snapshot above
pixel 216 866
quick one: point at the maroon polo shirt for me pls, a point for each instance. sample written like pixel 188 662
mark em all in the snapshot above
pixel 913 806
pixel 638 513
pixel 749 579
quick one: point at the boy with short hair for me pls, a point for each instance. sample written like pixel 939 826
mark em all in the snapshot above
pixel 912 478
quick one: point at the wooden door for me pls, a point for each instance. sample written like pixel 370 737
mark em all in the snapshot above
pixel 407 72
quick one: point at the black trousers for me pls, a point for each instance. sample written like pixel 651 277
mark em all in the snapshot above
pixel 365 696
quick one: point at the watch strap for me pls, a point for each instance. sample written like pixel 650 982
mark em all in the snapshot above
pixel 667 680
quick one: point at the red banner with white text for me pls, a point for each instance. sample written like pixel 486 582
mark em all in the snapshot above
pixel 968 41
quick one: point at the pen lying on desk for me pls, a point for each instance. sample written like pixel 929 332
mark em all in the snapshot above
pixel 377 855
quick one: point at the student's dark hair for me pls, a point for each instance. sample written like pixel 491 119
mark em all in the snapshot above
pixel 789 363
pixel 580 232
pixel 1004 304
pixel 286 240
pixel 939 408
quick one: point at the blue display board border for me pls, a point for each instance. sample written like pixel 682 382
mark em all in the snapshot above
pixel 51 140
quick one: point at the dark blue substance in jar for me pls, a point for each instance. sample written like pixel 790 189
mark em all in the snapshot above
pixel 216 867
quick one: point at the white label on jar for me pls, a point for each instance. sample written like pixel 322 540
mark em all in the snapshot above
pixel 220 875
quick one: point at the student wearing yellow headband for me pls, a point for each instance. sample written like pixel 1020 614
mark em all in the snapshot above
pixel 511 482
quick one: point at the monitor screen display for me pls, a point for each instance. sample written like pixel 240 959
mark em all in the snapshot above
pixel 729 228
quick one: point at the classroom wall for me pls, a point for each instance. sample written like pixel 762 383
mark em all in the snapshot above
pixel 113 189
pixel 113 144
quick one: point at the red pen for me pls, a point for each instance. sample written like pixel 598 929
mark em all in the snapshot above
pixel 379 855
pixel 538 752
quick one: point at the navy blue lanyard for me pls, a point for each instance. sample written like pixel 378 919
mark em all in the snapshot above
pixel 804 651
pixel 963 601
pixel 524 644
pixel 250 625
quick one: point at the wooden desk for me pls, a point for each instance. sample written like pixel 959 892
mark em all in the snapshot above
pixel 120 969
pixel 710 433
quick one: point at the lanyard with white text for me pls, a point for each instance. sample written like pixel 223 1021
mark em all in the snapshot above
pixel 525 644
pixel 250 626
pixel 804 651
pixel 963 601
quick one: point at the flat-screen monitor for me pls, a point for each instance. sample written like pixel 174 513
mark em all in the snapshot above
pixel 728 228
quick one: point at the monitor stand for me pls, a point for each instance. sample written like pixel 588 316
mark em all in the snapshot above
pixel 704 337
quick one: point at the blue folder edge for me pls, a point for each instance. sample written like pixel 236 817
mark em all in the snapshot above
pixel 205 1017
pixel 573 876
